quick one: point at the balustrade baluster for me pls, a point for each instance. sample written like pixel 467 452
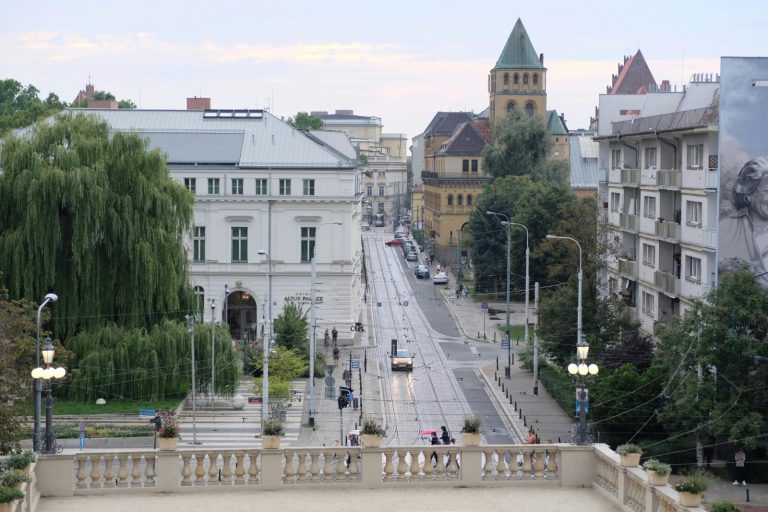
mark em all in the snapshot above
pixel 109 471
pixel 81 473
pixel 95 475
pixel 122 471
pixel 488 466
pixel 389 468
pixel 329 472
pixel 501 466
pixel 353 469
pixel 415 468
pixel 402 467
pixel 290 471
pixel 239 468
pixel 136 470
pixel 199 468
pixel 253 467
pixel 527 467
pixel 440 467
pixel 519 463
pixel 539 465
pixel 213 468
pixel 314 468
pixel 301 470
pixel 453 466
pixel 226 468
pixel 551 459
pixel 149 470
pixel 186 469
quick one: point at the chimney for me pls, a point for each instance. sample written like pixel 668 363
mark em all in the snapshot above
pixel 541 58
pixel 196 103
pixel 665 87
pixel 345 112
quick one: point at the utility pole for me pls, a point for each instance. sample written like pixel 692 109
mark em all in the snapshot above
pixel 536 341
pixel 312 339
pixel 191 324
pixel 213 350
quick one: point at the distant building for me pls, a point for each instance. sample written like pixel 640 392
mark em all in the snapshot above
pixel 88 94
pixel 583 160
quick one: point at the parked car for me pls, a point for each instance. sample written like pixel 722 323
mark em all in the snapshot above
pixel 399 234
pixel 402 360
pixel 407 246
pixel 396 241
pixel 422 272
pixel 440 278
pixel 412 256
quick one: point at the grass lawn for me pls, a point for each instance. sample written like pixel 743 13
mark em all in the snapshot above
pixel 65 407
pixel 517 332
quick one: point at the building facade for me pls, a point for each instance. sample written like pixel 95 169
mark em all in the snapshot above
pixel 267 198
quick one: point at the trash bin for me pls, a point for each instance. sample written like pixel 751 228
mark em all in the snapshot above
pixel 355 403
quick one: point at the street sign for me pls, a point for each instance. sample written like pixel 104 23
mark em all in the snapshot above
pixel 484 306
pixel 504 342
pixel 330 381
pixel 355 364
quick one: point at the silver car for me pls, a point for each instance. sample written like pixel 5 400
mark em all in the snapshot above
pixel 412 256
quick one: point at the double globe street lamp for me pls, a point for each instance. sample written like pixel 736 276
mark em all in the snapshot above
pixel 51 297
pixel 580 372
pixel 48 372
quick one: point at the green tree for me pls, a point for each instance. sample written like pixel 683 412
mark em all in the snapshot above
pixel 21 106
pixel 520 145
pixel 126 104
pixel 304 121
pixel 97 218
pixel 291 328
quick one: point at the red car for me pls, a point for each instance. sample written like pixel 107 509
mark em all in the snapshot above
pixel 396 241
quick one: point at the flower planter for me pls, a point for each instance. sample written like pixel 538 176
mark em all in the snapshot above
pixel 270 442
pixel 470 439
pixel 630 460
pixel 7 507
pixel 688 499
pixel 656 479
pixel 371 440
pixel 167 443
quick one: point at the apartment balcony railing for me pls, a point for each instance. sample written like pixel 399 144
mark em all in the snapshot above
pixel 668 231
pixel 628 268
pixel 629 222
pixel 602 175
pixel 668 283
pixel 712 179
pixel 709 238
pixel 630 177
pixel 669 179
pixel 354 469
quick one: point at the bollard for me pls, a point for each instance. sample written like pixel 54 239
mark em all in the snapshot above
pixel 497 364
pixel 525 422
pixel 747 489
pixel 507 393
pixel 515 405
pixel 502 387
pixel 510 400
pixel 520 413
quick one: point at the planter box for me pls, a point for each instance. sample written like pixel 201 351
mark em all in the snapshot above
pixel 471 439
pixel 656 479
pixel 167 443
pixel 371 441
pixel 270 442
pixel 631 460
pixel 688 499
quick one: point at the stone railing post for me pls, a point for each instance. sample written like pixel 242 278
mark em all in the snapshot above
pixel 372 470
pixel 55 476
pixel 271 469
pixel 578 465
pixel 167 475
pixel 471 465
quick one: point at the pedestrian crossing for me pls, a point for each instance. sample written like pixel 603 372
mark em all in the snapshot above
pixel 221 426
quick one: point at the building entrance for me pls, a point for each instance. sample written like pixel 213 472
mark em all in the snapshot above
pixel 242 314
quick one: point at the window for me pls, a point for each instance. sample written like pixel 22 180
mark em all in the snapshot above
pixel 615 201
pixel 307 244
pixel 382 174
pixel 693 269
pixel 381 190
pixel 213 186
pixel 515 78
pixel 469 199
pixel 381 207
pixel 460 200
pixel 535 79
pixel 198 244
pixel 369 190
pixel 615 159
pixel 693 213
pixel 650 158
pixel 261 187
pixel 450 199
pixel 285 187
pixel 506 78
pixel 529 109
pixel 649 255
pixel 474 165
pixel 510 107
pixel 695 155
pixel 237 186
pixel 649 303
pixel 649 207
pixel 465 166
pixel 239 244
pixel 190 184
pixel 613 285
pixel 309 187
pixel 525 78
pixel 199 301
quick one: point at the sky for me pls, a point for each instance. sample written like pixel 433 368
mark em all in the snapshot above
pixel 399 60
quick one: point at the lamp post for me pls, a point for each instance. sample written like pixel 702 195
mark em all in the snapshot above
pixel 313 333
pixel 213 349
pixel 51 297
pixel 580 372
pixel 509 246
pixel 527 271
pixel 266 340
pixel 48 373
pixel 191 329
pixel 226 301
pixel 578 308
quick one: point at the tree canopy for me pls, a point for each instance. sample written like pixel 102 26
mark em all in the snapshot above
pixel 95 218
pixel 21 106
pixel 304 121
pixel 520 145
pixel 104 95
pixel 291 328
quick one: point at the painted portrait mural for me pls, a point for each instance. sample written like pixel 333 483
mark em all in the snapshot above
pixel 743 226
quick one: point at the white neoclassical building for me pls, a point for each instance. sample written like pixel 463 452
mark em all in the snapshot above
pixel 264 193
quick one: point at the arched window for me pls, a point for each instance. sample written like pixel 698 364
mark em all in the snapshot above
pixel 460 200
pixel 529 109
pixel 506 78
pixel 516 79
pixel 469 199
pixel 525 78
pixel 535 79
pixel 510 107
pixel 199 301
pixel 450 199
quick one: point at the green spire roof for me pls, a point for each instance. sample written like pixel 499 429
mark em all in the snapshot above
pixel 518 52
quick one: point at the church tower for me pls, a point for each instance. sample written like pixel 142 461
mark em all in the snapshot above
pixel 518 81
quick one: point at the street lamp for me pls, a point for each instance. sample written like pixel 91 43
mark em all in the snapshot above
pixel 578 308
pixel 580 372
pixel 191 329
pixel 48 372
pixel 313 333
pixel 509 246
pixel 213 350
pixel 527 285
pixel 51 297
pixel 226 300
pixel 266 340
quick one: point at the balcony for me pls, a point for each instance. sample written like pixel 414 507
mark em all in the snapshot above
pixel 630 177
pixel 668 231
pixel 709 238
pixel 671 179
pixel 668 283
pixel 542 475
pixel 712 179
pixel 629 222
pixel 628 268
pixel 602 175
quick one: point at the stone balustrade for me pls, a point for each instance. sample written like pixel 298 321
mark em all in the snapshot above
pixel 196 470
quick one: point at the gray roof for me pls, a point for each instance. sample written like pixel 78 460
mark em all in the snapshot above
pixel 337 140
pixel 583 155
pixel 238 137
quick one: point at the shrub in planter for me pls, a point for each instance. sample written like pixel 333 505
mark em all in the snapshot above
pixel 658 472
pixel 723 506
pixel 10 494
pixel 694 483
pixel 272 427
pixel 21 460
pixel 629 454
pixel 371 428
pixel 13 477
pixel 169 426
pixel 470 432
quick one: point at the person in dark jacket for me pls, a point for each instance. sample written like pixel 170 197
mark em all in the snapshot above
pixel 435 440
pixel 445 437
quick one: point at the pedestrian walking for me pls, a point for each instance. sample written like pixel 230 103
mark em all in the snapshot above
pixel 326 338
pixel 444 436
pixel 347 376
pixel 334 335
pixel 741 458
pixel 531 437
pixel 335 355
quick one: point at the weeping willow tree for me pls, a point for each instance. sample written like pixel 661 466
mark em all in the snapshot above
pixel 116 362
pixel 96 218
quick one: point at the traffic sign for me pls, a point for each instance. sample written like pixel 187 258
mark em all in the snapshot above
pixel 504 342
pixel 355 364
pixel 484 306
